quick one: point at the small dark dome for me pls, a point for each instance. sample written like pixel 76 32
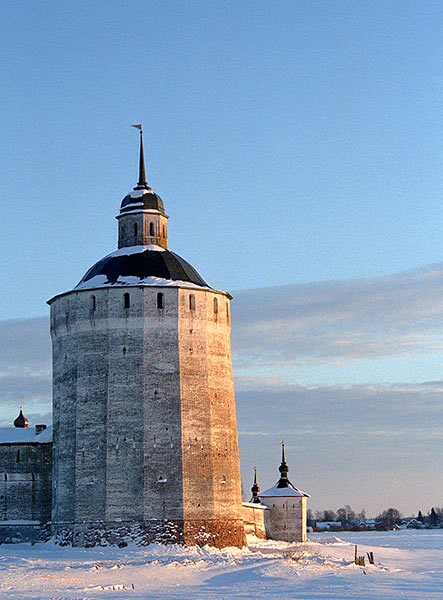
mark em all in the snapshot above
pixel 21 420
pixel 138 265
pixel 142 199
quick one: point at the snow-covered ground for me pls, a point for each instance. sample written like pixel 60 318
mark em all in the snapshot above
pixel 409 564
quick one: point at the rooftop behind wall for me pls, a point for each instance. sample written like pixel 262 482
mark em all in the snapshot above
pixel 17 435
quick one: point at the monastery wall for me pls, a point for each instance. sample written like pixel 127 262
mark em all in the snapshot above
pixel 25 482
pixel 254 519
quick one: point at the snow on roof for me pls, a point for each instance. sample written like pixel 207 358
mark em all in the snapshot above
pixel 284 492
pixel 139 193
pixel 21 522
pixel 128 250
pixel 18 435
pixel 255 505
pixel 133 204
pixel 132 209
pixel 102 281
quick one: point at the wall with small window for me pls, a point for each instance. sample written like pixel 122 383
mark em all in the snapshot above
pixel 286 518
pixel 142 228
pixel 205 306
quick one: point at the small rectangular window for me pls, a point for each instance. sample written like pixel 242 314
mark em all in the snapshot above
pixel 127 300
pixel 160 301
pixel 215 306
pixel 151 229
pixel 191 302
pixel 93 302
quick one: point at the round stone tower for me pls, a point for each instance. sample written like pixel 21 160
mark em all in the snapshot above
pixel 145 433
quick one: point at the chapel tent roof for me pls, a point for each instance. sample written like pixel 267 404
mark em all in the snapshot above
pixel 283 487
pixel 285 492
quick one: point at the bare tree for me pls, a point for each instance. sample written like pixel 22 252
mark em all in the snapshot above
pixel 389 517
pixel 345 514
pixel 329 515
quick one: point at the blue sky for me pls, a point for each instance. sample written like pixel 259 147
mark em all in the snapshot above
pixel 297 148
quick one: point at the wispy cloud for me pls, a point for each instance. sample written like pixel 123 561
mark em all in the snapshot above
pixel 335 432
pixel 399 315
pixel 367 445
pixel 25 368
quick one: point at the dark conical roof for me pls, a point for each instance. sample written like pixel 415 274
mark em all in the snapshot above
pixel 284 469
pixel 255 489
pixel 142 199
pixel 141 265
pixel 21 420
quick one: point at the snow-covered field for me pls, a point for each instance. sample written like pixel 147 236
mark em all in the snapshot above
pixel 409 564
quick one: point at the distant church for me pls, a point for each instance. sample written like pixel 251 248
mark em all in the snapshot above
pixel 144 440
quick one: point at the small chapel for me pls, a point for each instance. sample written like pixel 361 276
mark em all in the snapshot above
pixel 144 442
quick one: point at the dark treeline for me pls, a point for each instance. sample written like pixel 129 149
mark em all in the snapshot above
pixel 391 518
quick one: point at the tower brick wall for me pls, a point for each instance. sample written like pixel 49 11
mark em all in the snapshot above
pixel 144 417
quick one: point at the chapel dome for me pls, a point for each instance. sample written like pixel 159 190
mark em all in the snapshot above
pixel 21 421
pixel 141 265
pixel 142 199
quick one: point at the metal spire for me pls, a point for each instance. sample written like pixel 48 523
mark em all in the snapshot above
pixel 255 489
pixel 283 460
pixel 283 468
pixel 141 183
